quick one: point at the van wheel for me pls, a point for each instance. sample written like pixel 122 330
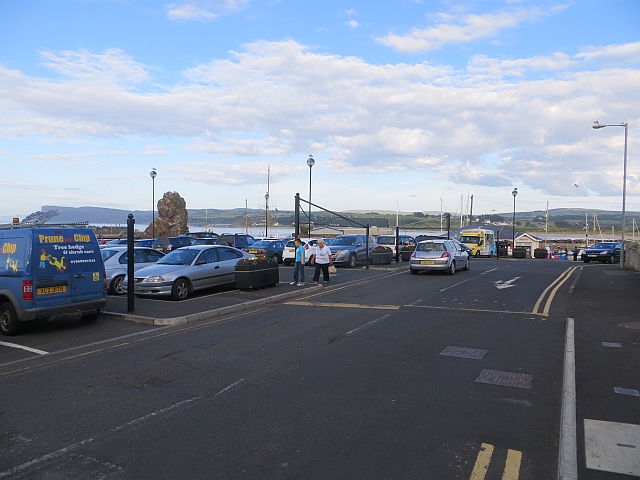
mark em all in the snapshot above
pixel 9 323
pixel 352 261
pixel 116 286
pixel 91 317
pixel 180 289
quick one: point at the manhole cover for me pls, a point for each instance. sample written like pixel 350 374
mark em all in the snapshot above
pixel 464 352
pixel 633 325
pixel 505 379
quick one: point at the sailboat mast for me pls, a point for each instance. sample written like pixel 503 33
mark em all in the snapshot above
pixel 246 217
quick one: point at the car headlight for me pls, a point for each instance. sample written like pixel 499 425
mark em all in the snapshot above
pixel 156 279
pixel 604 253
pixel 340 253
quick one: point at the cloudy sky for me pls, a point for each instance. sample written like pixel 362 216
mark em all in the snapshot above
pixel 402 103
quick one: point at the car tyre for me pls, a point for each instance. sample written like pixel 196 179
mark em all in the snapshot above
pixel 612 259
pixel 287 263
pixel 9 322
pixel 466 265
pixel 180 289
pixel 91 317
pixel 478 254
pixel 275 259
pixel 452 268
pixel 116 286
pixel 413 271
pixel 352 261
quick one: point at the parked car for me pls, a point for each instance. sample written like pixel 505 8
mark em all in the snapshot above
pixel 466 248
pixel 443 255
pixel 606 252
pixel 187 269
pixel 48 273
pixel 390 241
pixel 206 241
pixel 114 243
pixel 351 249
pixel 116 264
pixel 236 240
pixel 267 248
pixel 310 244
pixel 201 235
pixel 147 242
pixel 167 244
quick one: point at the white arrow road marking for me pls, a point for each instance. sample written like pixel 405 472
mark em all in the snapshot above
pixel 509 283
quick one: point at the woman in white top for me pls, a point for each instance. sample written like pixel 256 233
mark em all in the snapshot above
pixel 322 259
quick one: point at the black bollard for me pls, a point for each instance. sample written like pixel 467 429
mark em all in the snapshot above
pixel 130 276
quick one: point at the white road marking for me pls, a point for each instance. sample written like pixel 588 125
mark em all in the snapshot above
pixel 612 447
pixel 77 445
pixel 22 347
pixel 500 284
pixel 368 324
pixel 492 270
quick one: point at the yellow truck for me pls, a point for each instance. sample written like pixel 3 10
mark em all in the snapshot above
pixel 481 241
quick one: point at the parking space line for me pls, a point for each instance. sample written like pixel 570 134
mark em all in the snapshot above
pixel 368 324
pixel 22 347
pixel 460 283
pixel 479 310
pixel 343 305
pixel 512 466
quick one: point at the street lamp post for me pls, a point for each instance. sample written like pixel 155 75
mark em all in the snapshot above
pixel 513 224
pixel 311 162
pixel 596 126
pixel 153 176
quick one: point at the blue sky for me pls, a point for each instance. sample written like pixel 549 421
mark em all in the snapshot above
pixel 401 103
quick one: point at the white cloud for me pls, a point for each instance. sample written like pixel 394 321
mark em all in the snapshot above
pixel 462 29
pixel 223 173
pixel 353 23
pixel 203 10
pixel 278 100
pixel 154 150
pixel 628 53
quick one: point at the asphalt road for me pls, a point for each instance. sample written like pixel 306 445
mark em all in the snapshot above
pixel 388 375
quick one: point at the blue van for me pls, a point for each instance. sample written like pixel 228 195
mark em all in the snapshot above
pixel 47 273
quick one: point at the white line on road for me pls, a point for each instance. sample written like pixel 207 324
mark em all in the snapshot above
pixel 75 446
pixel 22 347
pixel 493 269
pixel 367 324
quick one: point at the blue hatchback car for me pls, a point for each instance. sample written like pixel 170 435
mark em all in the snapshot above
pixel 605 252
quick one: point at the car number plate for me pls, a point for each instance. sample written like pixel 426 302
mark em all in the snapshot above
pixel 49 290
pixel 427 262
pixel 136 287
pixel 591 255
pixel 291 250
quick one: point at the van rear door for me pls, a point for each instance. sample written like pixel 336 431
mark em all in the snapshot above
pixel 85 264
pixel 52 282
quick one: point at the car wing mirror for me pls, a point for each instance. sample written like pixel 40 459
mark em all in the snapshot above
pixel 201 261
pixel 358 244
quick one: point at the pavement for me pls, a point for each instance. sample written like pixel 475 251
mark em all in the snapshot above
pixel 605 308
pixel 214 302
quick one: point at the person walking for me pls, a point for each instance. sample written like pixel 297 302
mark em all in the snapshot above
pixel 298 269
pixel 575 254
pixel 322 259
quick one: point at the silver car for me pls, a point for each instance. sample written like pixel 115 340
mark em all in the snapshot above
pixel 443 255
pixel 187 269
pixel 115 264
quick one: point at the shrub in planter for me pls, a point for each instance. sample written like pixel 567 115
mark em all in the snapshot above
pixel 406 251
pixel 257 272
pixel 519 252
pixel 540 253
pixel 381 255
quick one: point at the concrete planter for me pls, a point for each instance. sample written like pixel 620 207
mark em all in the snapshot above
pixel 260 275
pixel 519 252
pixel 540 253
pixel 381 256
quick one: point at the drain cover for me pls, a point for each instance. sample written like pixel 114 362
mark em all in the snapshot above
pixel 464 352
pixel 505 379
pixel 633 325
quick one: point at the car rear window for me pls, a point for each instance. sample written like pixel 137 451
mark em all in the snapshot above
pixel 386 240
pixel 431 247
pixel 107 254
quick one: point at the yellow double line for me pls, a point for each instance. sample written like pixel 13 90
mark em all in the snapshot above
pixel 511 467
pixel 555 285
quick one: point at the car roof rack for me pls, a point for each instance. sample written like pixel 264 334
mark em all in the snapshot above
pixel 13 226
